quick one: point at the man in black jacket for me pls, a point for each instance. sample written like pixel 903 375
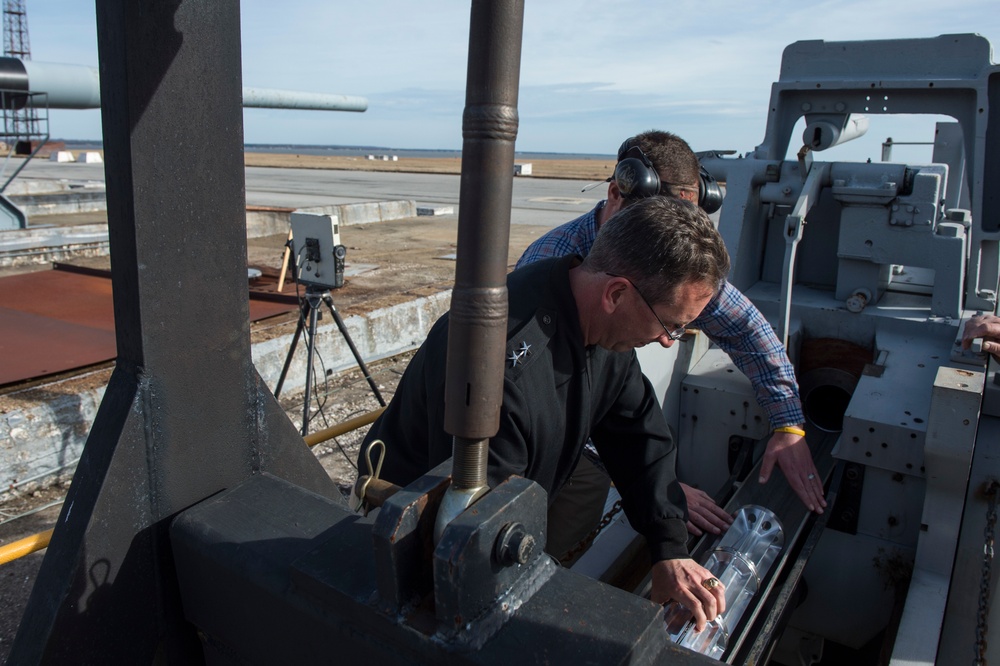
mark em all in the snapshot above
pixel 572 374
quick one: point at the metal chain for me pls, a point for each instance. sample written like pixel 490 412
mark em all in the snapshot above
pixel 982 617
pixel 584 543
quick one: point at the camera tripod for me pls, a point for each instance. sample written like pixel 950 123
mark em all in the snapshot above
pixel 309 308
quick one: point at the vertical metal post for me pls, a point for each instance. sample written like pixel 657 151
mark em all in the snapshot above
pixel 185 414
pixel 478 321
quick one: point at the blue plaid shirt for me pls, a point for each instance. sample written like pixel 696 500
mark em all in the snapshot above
pixel 729 320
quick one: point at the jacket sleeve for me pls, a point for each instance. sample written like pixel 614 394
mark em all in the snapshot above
pixel 639 452
pixel 733 322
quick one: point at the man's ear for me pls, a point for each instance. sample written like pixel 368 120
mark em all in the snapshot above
pixel 614 294
pixel 691 196
pixel 614 204
pixel 614 194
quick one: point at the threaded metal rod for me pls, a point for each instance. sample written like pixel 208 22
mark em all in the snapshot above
pixel 469 464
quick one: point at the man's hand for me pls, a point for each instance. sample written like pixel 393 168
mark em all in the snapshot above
pixel 703 513
pixel 682 580
pixel 792 454
pixel 986 327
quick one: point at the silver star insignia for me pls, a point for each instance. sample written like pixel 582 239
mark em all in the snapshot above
pixel 519 354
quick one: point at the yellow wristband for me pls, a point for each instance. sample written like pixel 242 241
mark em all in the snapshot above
pixel 791 429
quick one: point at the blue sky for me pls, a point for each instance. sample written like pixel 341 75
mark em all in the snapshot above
pixel 592 73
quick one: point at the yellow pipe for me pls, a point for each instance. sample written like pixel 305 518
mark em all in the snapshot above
pixel 25 546
pixel 35 542
pixel 341 428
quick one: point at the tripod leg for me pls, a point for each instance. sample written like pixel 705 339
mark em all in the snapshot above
pixel 291 350
pixel 311 348
pixel 354 350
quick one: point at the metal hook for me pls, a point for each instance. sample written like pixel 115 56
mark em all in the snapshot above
pixel 357 502
pixel 368 458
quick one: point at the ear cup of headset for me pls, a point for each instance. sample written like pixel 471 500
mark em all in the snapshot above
pixel 634 174
pixel 636 178
pixel 709 193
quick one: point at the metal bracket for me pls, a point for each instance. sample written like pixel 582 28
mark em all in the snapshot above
pixel 794 226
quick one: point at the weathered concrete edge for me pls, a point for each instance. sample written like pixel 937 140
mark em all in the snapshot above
pixel 268 222
pixel 26 185
pixel 79 201
pixel 40 244
pixel 376 335
pixel 42 441
pixel 371 211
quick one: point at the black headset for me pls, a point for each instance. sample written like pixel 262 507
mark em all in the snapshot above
pixel 636 178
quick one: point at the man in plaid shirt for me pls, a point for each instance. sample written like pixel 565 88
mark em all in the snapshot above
pixel 730 320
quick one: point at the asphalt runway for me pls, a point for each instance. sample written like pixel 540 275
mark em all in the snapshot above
pixel 543 202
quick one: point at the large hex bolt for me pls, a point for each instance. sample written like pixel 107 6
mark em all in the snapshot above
pixel 513 545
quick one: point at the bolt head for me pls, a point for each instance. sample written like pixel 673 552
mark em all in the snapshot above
pixel 525 548
pixel 514 545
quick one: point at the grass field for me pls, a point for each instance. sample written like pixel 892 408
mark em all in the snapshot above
pixel 595 170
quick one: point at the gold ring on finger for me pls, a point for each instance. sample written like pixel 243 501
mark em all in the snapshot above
pixel 711 583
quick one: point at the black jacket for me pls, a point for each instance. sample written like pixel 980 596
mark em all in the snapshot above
pixel 556 396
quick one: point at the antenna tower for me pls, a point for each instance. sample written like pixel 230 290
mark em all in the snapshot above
pixel 21 122
pixel 15 30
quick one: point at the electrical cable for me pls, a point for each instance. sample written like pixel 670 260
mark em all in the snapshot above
pixel 33 511
pixel 321 403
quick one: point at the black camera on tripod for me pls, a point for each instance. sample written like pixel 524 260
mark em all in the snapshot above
pixel 318 253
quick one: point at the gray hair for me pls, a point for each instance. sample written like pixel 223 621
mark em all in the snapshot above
pixel 660 243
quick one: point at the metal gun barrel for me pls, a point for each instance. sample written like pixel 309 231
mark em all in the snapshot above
pixel 62 86
pixel 268 98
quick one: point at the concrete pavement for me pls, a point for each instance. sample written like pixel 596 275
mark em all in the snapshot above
pixel 543 202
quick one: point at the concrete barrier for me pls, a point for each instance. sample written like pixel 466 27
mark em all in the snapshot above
pixel 41 439
pixel 360 213
pixel 270 221
pixel 364 213
pixel 263 222
pixel 91 200
pixel 40 245
pixel 27 185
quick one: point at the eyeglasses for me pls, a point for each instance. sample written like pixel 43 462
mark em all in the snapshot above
pixel 675 334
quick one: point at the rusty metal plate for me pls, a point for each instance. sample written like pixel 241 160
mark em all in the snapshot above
pixel 59 320
pixel 33 346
